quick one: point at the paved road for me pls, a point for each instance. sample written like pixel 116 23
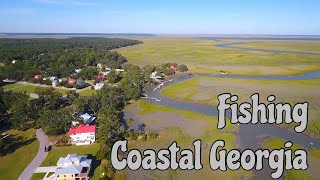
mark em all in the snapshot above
pixel 43 85
pixel 40 157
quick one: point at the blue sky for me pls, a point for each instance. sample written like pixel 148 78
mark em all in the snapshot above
pixel 162 16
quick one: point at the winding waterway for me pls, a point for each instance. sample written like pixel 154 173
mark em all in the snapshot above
pixel 249 136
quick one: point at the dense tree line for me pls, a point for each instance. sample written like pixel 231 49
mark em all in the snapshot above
pixel 61 64
pixel 26 49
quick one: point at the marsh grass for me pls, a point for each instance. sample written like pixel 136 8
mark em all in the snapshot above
pixel 313 156
pixel 206 89
pixel 168 135
pixel 202 56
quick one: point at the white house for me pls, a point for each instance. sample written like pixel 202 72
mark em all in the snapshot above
pixel 99 65
pixel 83 135
pixel 119 70
pixel 77 70
pixel 154 76
pixel 98 86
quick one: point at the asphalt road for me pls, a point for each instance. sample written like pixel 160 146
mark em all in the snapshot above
pixel 40 157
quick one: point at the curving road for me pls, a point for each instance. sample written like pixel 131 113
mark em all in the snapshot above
pixel 40 157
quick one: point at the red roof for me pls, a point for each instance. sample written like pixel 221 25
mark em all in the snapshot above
pixel 100 76
pixel 71 81
pixel 174 68
pixel 37 76
pixel 82 129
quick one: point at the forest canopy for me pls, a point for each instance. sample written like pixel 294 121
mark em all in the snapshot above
pixel 58 57
pixel 25 49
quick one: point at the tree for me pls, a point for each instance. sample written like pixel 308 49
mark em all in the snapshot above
pixel 168 72
pixel 87 73
pixel 19 107
pixel 48 98
pixel 113 77
pixel 72 95
pixel 55 122
pixel 183 68
pixel 131 91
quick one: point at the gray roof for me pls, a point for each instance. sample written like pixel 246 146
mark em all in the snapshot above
pixel 76 164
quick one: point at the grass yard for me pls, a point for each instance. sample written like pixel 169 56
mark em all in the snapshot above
pixel 206 89
pixel 12 165
pixel 202 56
pixel 29 89
pixel 87 92
pixel 184 127
pixel 313 161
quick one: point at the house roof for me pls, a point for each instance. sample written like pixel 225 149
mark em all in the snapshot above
pixel 72 164
pixel 82 129
pixel 87 118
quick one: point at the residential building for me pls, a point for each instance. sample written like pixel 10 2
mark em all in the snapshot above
pixel 37 76
pixel 72 81
pixel 87 118
pixel 77 70
pixel 72 167
pixel 83 135
pixel 99 65
pixel 119 70
pixel 174 68
pixel 100 77
pixel 98 86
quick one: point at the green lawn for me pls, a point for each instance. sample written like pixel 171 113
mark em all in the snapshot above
pixel 58 152
pixel 202 56
pixel 12 165
pixel 206 89
pixel 310 173
pixel 87 92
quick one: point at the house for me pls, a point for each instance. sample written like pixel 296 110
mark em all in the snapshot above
pixel 87 118
pixel 119 70
pixel 108 69
pixel 83 135
pixel 174 68
pixel 100 77
pixel 99 65
pixel 72 81
pixel 98 86
pixel 13 61
pixel 81 83
pixel 54 78
pixel 37 76
pixel 154 76
pixel 72 167
pixel 105 73
pixel 77 70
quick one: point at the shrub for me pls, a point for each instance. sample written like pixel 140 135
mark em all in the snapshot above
pixel 183 68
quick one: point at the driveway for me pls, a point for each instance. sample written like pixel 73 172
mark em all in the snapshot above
pixel 40 157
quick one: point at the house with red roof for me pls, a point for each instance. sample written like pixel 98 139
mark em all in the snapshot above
pixel 37 76
pixel 174 68
pixel 83 134
pixel 100 77
pixel 72 80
